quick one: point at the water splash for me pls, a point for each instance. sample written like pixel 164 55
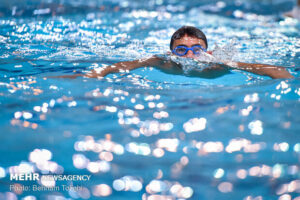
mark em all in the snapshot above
pixel 191 64
pixel 225 53
pixel 203 61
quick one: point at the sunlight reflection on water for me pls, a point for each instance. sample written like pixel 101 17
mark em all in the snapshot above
pixel 146 134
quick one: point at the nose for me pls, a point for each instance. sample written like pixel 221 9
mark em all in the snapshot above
pixel 189 54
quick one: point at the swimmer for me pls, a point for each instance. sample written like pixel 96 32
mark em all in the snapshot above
pixel 188 42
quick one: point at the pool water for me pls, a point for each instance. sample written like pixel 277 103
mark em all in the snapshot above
pixel 147 134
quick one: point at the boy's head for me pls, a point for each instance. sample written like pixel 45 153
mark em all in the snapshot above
pixel 188 31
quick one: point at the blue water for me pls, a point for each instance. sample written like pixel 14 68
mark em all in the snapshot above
pixel 147 134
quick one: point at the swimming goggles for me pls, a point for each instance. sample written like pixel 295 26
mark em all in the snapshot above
pixel 182 50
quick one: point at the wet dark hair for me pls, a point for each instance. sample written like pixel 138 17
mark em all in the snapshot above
pixel 190 31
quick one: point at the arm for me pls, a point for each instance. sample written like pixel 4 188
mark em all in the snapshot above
pixel 124 66
pixel 119 67
pixel 261 69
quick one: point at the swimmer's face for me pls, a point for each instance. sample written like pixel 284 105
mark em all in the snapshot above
pixel 189 42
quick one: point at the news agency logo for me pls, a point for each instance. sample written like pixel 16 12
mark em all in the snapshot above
pixel 54 177
pixel 25 177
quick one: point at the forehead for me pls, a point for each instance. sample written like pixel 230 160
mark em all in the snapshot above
pixel 189 41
